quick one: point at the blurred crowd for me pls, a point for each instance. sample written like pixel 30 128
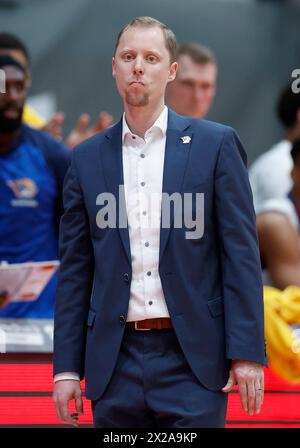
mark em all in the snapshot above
pixel 34 158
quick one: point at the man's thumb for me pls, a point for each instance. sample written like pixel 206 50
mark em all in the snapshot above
pixel 230 383
pixel 79 404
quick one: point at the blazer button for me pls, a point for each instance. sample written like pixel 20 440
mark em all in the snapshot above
pixel 122 320
pixel 126 278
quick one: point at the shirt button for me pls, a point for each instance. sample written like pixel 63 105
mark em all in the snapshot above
pixel 122 320
pixel 146 244
pixel 149 273
pixel 144 213
pixel 143 156
pixel 143 184
pixel 126 278
pixel 150 302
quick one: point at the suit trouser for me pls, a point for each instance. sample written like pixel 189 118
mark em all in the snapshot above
pixel 152 385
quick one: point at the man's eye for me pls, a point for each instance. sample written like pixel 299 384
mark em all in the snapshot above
pixel 127 57
pixel 151 58
pixel 187 83
pixel 20 87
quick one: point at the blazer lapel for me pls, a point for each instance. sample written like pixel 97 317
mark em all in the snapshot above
pixel 111 156
pixel 176 157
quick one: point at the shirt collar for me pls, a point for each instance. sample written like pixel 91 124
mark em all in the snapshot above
pixel 161 123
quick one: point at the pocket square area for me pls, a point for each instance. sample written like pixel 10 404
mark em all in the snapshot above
pixel 186 139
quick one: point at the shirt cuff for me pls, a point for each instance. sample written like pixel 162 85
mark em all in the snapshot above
pixel 66 376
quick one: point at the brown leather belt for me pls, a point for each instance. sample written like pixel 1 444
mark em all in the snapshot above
pixel 159 323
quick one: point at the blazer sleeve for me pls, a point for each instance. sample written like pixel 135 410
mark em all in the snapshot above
pixel 75 279
pixel 241 267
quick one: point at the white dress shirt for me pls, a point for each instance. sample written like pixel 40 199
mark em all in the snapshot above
pixel 143 164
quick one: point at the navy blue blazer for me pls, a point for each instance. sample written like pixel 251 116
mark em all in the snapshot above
pixel 212 285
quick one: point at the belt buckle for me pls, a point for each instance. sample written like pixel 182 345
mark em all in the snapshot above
pixel 140 329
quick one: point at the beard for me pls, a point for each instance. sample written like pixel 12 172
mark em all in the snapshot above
pixel 9 125
pixel 137 99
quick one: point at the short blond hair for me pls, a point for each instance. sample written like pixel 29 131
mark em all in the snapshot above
pixel 200 54
pixel 145 21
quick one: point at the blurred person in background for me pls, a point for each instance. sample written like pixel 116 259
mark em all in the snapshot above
pixel 12 45
pixel 193 90
pixel 278 225
pixel 270 173
pixel 32 169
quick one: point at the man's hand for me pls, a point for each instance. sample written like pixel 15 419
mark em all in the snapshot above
pixel 54 125
pixel 64 391
pixel 250 378
pixel 82 131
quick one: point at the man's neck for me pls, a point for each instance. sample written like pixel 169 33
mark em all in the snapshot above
pixel 296 199
pixel 140 119
pixel 293 134
pixel 7 139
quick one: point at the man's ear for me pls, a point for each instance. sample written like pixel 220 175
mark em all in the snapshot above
pixel 113 63
pixel 28 79
pixel 172 71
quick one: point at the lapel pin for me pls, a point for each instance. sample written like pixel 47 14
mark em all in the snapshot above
pixel 186 139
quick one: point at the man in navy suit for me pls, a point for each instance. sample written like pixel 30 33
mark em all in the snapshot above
pixel 159 302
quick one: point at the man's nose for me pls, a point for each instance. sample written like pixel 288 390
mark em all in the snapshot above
pixel 199 93
pixel 12 93
pixel 138 68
